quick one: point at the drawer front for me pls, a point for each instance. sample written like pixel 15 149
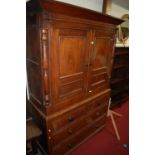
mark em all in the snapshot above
pixel 73 141
pixel 99 122
pixel 102 101
pixel 79 137
pixel 68 118
pixel 61 149
pixel 78 124
pixel 69 130
pixel 97 113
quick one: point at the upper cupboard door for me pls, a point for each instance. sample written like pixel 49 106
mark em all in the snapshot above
pixel 100 60
pixel 70 57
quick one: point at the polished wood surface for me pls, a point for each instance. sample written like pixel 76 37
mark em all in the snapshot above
pixel 69 58
pixel 71 70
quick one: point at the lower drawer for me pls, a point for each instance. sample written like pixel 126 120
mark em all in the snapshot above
pixel 67 118
pixel 102 101
pixel 99 122
pixel 97 113
pixel 79 137
pixel 70 130
pixel 70 143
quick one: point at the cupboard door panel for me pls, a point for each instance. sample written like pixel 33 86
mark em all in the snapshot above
pixel 71 52
pixel 100 60
pixel 71 55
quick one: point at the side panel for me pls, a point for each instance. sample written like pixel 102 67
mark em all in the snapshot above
pixel 33 64
pixel 38 61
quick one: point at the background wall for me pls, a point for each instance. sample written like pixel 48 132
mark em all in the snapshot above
pixel 119 8
pixel 95 5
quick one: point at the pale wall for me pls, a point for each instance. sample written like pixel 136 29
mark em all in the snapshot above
pixel 95 5
pixel 119 8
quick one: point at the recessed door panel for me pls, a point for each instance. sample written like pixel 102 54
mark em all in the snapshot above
pixel 99 53
pixel 71 54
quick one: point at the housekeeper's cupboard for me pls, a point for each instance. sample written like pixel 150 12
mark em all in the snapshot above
pixel 69 60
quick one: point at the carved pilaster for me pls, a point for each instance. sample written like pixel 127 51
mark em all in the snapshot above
pixel 45 66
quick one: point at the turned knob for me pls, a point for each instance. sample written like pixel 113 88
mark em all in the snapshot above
pixel 70 145
pixel 88 65
pixel 70 118
pixel 96 126
pixel 99 103
pixel 97 114
pixel 70 131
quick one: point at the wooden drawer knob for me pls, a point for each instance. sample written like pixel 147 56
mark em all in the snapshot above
pixel 70 118
pixel 70 131
pixel 98 114
pixel 70 146
pixel 96 126
pixel 87 65
pixel 99 103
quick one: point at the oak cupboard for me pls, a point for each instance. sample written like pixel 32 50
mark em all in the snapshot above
pixel 69 60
